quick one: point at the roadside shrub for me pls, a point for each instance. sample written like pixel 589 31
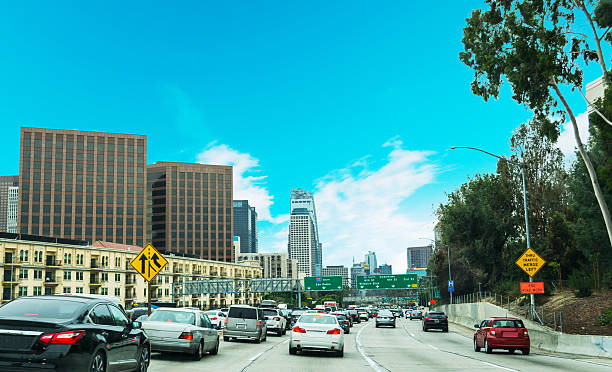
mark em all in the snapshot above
pixel 582 283
pixel 605 319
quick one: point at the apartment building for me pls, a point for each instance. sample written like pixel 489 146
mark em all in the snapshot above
pixel 274 265
pixel 44 265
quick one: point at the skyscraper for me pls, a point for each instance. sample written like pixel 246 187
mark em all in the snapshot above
pixel 5 183
pixel 370 260
pixel 12 209
pixel 418 256
pixel 304 244
pixel 83 185
pixel 337 270
pixel 245 226
pixel 191 209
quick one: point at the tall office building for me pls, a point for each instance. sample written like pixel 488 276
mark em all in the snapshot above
pixel 245 226
pixel 418 256
pixel 191 209
pixel 370 260
pixel 83 185
pixel 12 209
pixel 5 183
pixel 337 270
pixel 304 244
pixel 385 269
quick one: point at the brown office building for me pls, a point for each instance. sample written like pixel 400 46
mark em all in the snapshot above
pixel 5 183
pixel 83 185
pixel 190 209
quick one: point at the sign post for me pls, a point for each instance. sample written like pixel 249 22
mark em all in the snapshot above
pixel 530 262
pixel 148 263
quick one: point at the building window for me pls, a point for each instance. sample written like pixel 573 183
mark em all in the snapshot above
pixel 67 290
pixel 23 291
pixel 37 291
pixel 79 276
pixel 118 292
pixel 23 273
pixel 37 274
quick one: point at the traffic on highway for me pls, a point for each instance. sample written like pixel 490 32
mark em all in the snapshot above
pixel 94 333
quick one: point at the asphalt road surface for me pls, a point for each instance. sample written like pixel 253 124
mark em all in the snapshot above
pixel 368 348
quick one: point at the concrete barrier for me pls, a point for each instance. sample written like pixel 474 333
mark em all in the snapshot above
pixel 541 337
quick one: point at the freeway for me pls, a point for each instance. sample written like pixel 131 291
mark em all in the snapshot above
pixel 378 350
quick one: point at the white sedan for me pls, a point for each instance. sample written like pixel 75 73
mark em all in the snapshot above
pixel 317 332
pixel 216 317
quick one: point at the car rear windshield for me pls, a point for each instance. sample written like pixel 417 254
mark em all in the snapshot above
pixel 317 319
pixel 243 312
pixel 268 312
pixel 508 324
pixel 184 317
pixel 436 315
pixel 42 309
pixel 385 313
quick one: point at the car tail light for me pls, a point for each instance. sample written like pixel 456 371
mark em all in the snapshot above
pixel 492 332
pixel 444 318
pixel 335 331
pixel 65 338
pixel 277 318
pixel 258 322
pixel 346 321
pixel 427 318
pixel 297 329
pixel 213 318
pixel 525 333
pixel 186 336
pixel 226 319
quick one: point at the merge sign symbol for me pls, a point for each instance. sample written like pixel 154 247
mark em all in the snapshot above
pixel 530 262
pixel 149 262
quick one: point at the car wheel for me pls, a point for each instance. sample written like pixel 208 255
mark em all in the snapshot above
pixel 487 348
pixel 348 331
pixel 215 350
pixel 476 347
pixel 265 337
pixel 98 363
pixel 259 337
pixel 525 351
pixel 377 326
pixel 145 355
pixel 226 339
pixel 197 355
pixel 292 350
pixel 510 351
pixel 393 325
pixel 340 353
pixel 424 329
pixel 445 330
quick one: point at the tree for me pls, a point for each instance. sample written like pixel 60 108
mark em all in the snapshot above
pixel 532 45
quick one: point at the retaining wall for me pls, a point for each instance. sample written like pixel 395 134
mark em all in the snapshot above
pixel 541 337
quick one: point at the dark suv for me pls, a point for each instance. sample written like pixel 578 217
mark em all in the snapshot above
pixel 435 320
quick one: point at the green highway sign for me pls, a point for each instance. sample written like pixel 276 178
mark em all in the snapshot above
pixel 386 299
pixel 408 299
pixel 400 281
pixel 323 283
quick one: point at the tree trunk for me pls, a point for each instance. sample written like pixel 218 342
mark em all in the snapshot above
pixel 587 161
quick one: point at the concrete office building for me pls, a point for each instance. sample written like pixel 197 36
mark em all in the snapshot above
pixel 418 256
pixel 371 263
pixel 6 182
pixel 82 185
pixel 12 209
pixel 191 209
pixel 385 269
pixel 304 244
pixel 245 225
pixel 337 270
pixel 274 265
pixel 34 267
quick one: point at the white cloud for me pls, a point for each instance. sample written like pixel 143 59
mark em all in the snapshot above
pixel 359 209
pixel 567 141
pixel 246 185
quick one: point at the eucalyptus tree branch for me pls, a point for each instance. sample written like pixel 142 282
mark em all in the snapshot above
pixel 589 104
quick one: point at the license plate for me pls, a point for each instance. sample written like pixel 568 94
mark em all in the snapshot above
pixel 509 334
pixel 436 321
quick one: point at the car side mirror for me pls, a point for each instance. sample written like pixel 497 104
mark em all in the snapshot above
pixel 214 326
pixel 136 325
pixel 476 325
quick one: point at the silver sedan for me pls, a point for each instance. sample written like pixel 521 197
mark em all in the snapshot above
pixel 385 317
pixel 181 330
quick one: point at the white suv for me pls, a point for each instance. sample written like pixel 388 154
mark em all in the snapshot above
pixel 275 321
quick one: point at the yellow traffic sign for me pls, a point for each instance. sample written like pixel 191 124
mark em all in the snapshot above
pixel 149 262
pixel 530 262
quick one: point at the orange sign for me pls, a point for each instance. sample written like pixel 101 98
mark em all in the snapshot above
pixel 532 288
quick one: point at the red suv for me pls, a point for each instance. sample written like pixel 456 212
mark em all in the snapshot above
pixel 501 333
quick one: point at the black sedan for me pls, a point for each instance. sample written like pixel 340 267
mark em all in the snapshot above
pixel 70 333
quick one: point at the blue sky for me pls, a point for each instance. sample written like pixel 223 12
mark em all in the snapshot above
pixel 358 101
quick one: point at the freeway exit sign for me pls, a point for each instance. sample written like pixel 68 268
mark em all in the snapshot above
pixel 408 299
pixel 399 281
pixel 323 283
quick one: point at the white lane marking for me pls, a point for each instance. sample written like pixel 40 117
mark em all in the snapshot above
pixel 412 334
pixel 500 367
pixel 433 347
pixel 375 366
pixel 256 356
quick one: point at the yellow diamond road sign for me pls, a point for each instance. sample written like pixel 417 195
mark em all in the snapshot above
pixel 530 262
pixel 149 262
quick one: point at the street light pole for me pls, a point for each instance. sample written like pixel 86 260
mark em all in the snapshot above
pixel 449 265
pixel 522 166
